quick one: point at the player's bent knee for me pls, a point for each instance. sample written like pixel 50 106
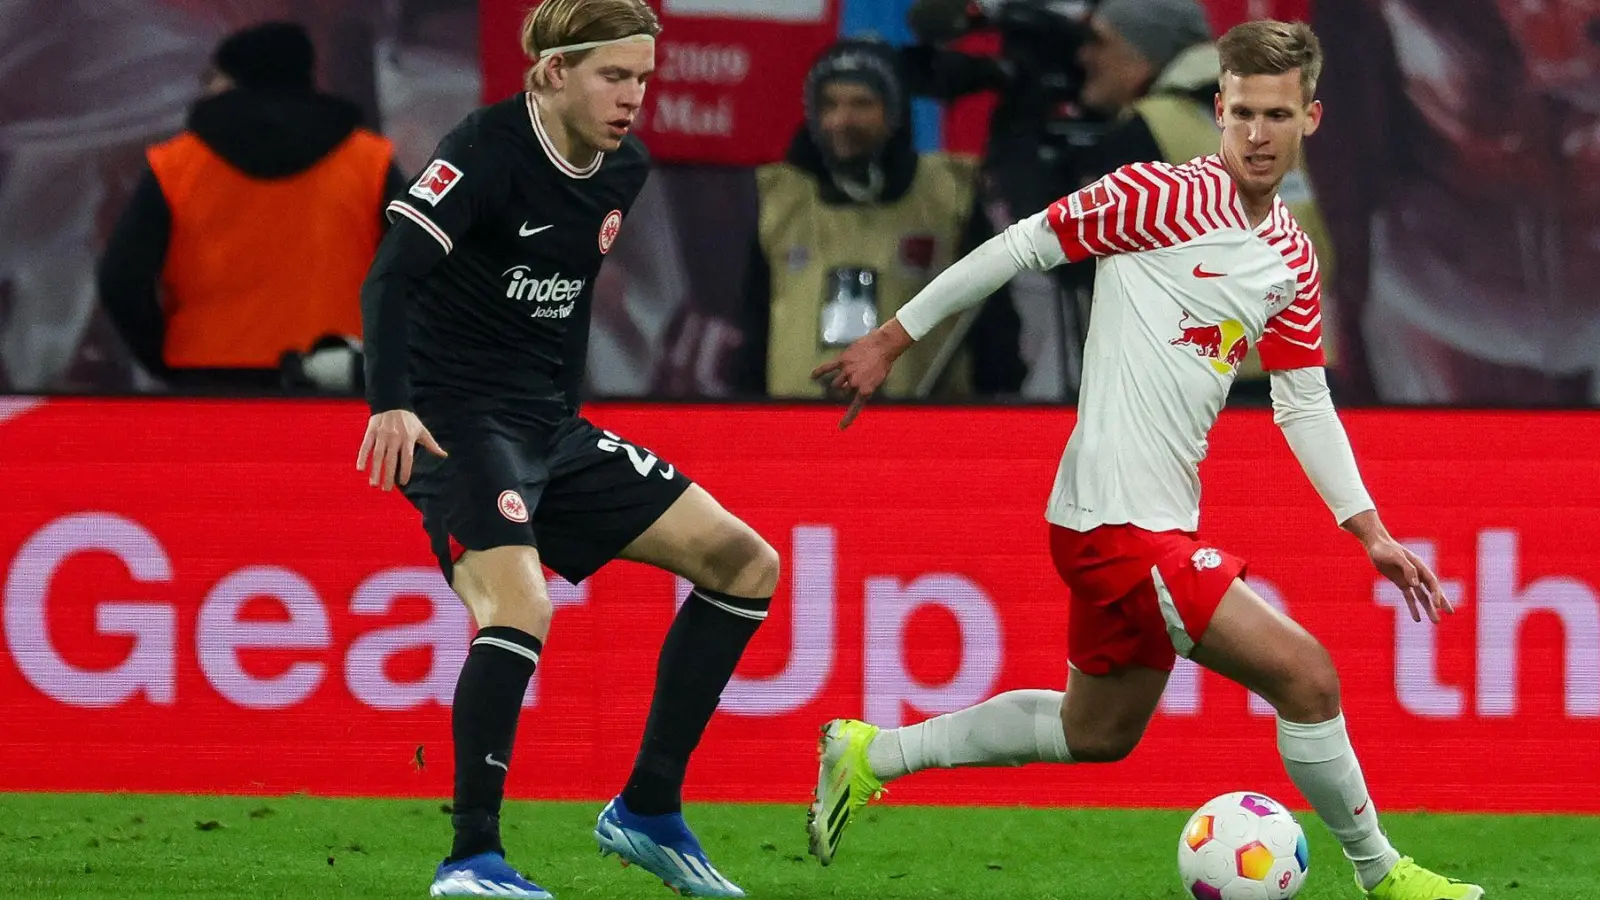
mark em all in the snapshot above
pixel 763 569
pixel 743 564
pixel 505 586
pixel 1311 692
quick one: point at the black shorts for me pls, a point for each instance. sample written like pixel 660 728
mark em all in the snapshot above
pixel 578 494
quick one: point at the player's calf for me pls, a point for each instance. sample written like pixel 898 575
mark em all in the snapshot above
pixel 1009 729
pixel 505 590
pixel 734 573
pixel 701 650
pixel 1104 716
pixel 1108 747
pixel 1266 651
pixel 856 759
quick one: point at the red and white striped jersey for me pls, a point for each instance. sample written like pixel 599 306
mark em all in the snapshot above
pixel 1184 287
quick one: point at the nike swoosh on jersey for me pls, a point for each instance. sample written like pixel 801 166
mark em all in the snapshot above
pixel 525 231
pixel 1200 272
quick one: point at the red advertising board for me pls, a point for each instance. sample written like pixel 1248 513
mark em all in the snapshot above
pixel 1225 14
pixel 205 596
pixel 727 88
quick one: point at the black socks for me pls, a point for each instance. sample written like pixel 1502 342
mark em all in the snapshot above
pixel 698 657
pixel 484 723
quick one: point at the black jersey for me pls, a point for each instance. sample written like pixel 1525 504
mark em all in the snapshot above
pixel 500 324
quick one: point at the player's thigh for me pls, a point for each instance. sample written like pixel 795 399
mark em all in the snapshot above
pixel 504 586
pixel 1115 620
pixel 610 498
pixel 1104 716
pixel 477 510
pixel 1256 645
pixel 697 539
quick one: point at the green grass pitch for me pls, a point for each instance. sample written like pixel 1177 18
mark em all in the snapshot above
pixel 54 847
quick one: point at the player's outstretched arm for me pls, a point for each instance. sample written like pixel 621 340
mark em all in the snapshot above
pixel 1303 409
pixel 862 368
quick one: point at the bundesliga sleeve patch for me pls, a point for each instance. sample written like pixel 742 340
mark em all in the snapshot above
pixel 439 179
pixel 1089 199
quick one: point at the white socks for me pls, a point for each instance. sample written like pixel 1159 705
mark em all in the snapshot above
pixel 1323 766
pixel 1007 730
pixel 1020 727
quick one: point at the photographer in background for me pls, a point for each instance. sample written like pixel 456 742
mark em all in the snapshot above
pixel 851 225
pixel 1038 136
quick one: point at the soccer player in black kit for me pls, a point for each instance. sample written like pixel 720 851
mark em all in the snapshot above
pixel 476 319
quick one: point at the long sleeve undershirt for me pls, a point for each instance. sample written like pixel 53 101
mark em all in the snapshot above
pixel 405 255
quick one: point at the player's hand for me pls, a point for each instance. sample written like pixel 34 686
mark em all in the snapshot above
pixel 1411 575
pixel 863 367
pixel 390 444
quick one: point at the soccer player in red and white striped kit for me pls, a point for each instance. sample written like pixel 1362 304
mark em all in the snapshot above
pixel 1196 263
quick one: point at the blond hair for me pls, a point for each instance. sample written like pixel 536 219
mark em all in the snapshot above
pixel 560 23
pixel 1270 47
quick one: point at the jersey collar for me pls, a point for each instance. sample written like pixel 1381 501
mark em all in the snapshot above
pixel 562 166
pixel 1270 223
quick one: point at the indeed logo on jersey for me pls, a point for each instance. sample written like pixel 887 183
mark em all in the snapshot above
pixel 543 291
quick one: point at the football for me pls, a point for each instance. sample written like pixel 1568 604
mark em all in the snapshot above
pixel 1243 846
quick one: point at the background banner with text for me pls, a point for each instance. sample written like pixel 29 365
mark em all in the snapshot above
pixel 727 84
pixel 206 596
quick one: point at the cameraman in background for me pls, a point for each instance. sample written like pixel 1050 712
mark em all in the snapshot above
pixel 1038 139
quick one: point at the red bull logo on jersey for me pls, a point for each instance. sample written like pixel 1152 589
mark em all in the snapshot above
pixel 1223 345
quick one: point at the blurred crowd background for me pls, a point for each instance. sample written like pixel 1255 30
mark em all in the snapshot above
pixel 188 196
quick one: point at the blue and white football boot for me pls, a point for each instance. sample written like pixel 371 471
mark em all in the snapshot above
pixel 484 875
pixel 664 847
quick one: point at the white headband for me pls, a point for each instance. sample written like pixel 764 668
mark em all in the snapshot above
pixel 546 55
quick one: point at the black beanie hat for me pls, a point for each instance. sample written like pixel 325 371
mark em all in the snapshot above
pixel 867 62
pixel 270 55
